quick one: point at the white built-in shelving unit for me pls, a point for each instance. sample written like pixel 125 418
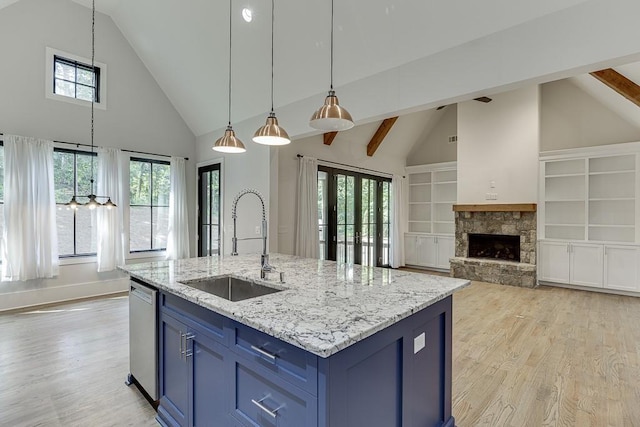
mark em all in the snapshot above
pixel 431 226
pixel 589 227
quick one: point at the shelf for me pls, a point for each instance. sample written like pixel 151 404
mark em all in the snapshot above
pixel 630 226
pixel 564 200
pixel 496 207
pixel 613 199
pixel 550 224
pixel 612 172
pixel 564 175
pixel 431 196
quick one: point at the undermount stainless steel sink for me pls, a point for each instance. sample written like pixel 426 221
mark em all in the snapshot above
pixel 231 288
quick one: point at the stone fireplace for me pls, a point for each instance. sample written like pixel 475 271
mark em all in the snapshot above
pixel 496 243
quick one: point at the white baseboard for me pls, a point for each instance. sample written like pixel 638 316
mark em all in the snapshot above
pixel 63 293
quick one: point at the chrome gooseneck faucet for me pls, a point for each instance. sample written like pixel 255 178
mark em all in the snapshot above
pixel 264 259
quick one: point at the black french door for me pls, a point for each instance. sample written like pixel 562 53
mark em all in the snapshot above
pixel 354 217
pixel 209 210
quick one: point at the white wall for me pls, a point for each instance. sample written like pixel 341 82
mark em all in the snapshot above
pixel 571 118
pixel 349 148
pixel 138 116
pixel 499 142
pixel 240 171
pixel 433 146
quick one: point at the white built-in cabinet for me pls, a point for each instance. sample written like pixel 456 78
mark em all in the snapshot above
pixel 431 226
pixel 589 217
pixel 429 251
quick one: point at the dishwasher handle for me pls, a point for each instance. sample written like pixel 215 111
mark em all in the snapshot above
pixel 140 293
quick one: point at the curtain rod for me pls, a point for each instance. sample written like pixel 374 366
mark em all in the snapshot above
pixel 79 144
pixel 353 167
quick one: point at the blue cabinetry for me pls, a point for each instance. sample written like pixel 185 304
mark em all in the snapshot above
pixel 215 371
pixel 193 383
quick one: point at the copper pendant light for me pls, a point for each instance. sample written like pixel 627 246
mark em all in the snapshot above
pixel 229 142
pixel 271 133
pixel 331 116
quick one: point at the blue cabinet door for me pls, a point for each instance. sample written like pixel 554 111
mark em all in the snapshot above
pixel 174 382
pixel 210 383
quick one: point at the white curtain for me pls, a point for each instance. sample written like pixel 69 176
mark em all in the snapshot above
pixel 110 222
pixel 306 241
pixel 178 237
pixel 30 240
pixel 397 221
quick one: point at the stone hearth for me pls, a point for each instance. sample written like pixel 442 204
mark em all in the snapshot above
pixel 514 220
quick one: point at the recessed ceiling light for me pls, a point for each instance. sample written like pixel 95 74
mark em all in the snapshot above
pixel 247 14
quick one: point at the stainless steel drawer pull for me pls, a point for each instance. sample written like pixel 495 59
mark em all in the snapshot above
pixel 271 413
pixel 188 336
pixel 266 354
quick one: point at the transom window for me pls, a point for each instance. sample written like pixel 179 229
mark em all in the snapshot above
pixel 149 182
pixel 75 79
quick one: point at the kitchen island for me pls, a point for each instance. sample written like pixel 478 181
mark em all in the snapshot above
pixel 338 345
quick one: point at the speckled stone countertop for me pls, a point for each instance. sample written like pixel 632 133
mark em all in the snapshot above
pixel 325 307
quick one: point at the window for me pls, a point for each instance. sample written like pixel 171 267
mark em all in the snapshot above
pixel 209 210
pixel 70 78
pixel 76 228
pixel 75 79
pixel 149 204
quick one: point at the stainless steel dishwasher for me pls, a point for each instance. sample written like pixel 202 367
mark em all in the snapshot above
pixel 143 338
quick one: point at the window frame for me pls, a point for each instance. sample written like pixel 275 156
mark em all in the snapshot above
pixel 151 206
pixel 101 81
pixel 82 66
pixel 75 153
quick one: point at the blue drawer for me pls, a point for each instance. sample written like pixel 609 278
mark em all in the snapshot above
pixel 295 365
pixel 266 401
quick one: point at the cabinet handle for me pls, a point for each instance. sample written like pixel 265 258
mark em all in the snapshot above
pixel 259 404
pixel 181 345
pixel 187 352
pixel 271 357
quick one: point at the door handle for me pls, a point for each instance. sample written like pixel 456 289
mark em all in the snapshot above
pixel 357 237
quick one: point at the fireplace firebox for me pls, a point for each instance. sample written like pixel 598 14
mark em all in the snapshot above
pixel 494 246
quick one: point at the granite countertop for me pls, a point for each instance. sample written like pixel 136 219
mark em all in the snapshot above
pixel 325 307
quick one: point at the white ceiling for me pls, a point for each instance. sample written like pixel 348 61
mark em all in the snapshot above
pixel 185 45
pixel 391 57
pixel 610 98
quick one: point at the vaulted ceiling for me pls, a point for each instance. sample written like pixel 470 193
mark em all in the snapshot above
pixel 390 56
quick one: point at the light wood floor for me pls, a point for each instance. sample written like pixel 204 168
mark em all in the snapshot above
pixel 543 357
pixel 66 366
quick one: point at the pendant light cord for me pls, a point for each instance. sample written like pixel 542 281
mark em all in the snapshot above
pixel 230 12
pixel 93 69
pixel 273 2
pixel 331 45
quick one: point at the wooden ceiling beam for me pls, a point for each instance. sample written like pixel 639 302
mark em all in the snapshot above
pixel 620 84
pixel 380 134
pixel 329 137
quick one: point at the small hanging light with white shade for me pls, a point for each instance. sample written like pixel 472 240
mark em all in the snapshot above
pixel 229 142
pixel 271 133
pixel 331 116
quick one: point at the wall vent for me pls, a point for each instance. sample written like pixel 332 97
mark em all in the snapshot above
pixel 452 139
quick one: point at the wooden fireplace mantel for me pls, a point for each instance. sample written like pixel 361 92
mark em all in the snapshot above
pixel 497 207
